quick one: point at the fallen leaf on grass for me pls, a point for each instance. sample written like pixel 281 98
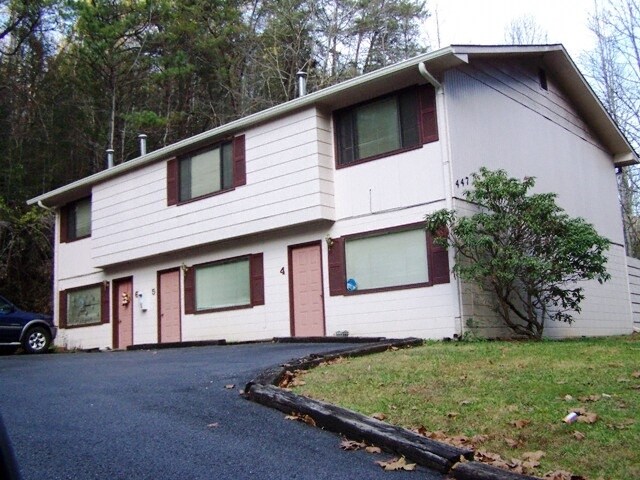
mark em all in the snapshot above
pixel 397 464
pixel 287 378
pixel 466 402
pixel 587 417
pixel 636 374
pixel 590 398
pixel 452 414
pixel 579 435
pixel 622 425
pixel 421 430
pixel 231 386
pixel 568 398
pixel 533 456
pixel 519 424
pixel 437 435
pixel 379 416
pixel 296 382
pixel 349 445
pixel 513 443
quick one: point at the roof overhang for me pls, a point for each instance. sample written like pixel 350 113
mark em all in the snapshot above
pixel 378 82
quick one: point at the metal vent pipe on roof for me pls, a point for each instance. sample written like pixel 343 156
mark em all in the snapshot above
pixel 143 144
pixel 302 83
pixel 110 157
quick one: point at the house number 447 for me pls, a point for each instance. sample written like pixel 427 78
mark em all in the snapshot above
pixel 462 182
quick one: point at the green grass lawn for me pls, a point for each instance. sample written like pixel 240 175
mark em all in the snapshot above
pixel 512 394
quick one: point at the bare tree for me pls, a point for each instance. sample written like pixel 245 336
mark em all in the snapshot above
pixel 614 68
pixel 525 30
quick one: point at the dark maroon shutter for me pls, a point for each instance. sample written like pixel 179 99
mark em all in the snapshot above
pixel 64 224
pixel 105 303
pixel 62 309
pixel 190 291
pixel 172 181
pixel 239 162
pixel 439 266
pixel 428 116
pixel 256 268
pixel 337 268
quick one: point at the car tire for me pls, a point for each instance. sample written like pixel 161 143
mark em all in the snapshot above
pixel 37 340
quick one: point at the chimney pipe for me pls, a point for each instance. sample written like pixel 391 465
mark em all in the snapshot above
pixel 302 83
pixel 143 144
pixel 109 157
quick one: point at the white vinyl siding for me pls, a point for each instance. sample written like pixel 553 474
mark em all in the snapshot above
pixel 388 260
pixel 289 166
pixel 223 285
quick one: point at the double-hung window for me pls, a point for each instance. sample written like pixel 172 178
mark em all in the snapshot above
pixel 386 125
pixel 76 220
pixel 207 171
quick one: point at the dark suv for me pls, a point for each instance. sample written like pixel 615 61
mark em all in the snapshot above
pixel 34 331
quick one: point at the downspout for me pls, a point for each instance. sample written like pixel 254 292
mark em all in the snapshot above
pixel 445 151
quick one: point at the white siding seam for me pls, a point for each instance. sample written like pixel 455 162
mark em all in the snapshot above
pixel 557 99
pixel 183 227
pixel 211 218
pixel 389 210
pixel 595 144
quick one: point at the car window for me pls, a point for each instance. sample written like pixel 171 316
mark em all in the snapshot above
pixel 5 307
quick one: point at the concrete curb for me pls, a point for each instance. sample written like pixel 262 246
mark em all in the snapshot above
pixel 455 461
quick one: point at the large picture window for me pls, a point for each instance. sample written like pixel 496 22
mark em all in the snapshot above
pixel 389 260
pixel 76 220
pixel 395 258
pixel 83 306
pixel 224 285
pixel 386 125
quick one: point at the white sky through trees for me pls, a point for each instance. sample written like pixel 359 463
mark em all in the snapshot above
pixel 484 21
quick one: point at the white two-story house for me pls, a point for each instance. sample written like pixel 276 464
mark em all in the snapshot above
pixel 307 219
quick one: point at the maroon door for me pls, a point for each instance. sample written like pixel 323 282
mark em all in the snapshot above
pixel 306 294
pixel 123 305
pixel 169 329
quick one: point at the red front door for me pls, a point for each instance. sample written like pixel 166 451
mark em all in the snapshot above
pixel 305 281
pixel 169 329
pixel 123 305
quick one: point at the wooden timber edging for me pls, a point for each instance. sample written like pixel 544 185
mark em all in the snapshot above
pixel 456 461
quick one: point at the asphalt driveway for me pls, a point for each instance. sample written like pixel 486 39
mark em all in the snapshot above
pixel 166 414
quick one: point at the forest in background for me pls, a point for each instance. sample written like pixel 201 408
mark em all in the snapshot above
pixel 78 77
